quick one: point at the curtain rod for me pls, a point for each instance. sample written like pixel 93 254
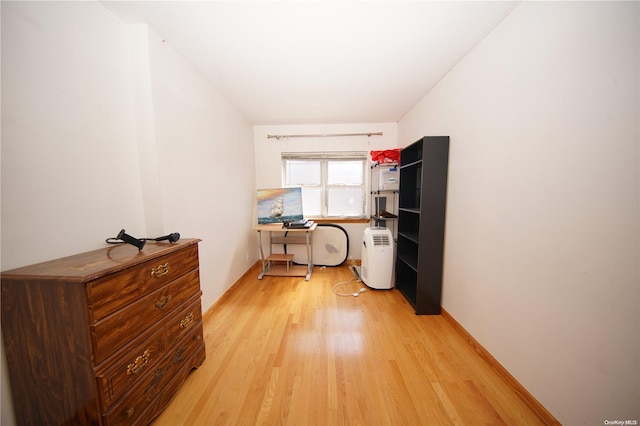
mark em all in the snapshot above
pixel 326 135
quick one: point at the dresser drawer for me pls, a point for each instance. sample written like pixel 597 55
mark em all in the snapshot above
pixel 119 328
pixel 142 397
pixel 130 368
pixel 170 389
pixel 107 295
pixel 183 322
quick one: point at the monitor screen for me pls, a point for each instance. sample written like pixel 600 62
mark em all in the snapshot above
pixel 277 205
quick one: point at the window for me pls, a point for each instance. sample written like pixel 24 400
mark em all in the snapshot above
pixel 333 184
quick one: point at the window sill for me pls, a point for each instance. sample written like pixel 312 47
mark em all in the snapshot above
pixel 339 219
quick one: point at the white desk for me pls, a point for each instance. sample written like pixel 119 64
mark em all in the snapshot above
pixel 293 236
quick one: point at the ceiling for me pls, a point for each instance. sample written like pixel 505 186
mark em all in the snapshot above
pixel 305 62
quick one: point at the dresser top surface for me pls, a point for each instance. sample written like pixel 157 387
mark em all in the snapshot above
pixel 92 264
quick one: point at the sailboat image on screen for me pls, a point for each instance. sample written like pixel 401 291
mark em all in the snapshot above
pixel 277 205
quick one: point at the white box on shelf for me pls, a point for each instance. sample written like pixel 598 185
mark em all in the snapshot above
pixel 386 178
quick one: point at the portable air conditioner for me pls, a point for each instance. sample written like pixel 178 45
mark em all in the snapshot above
pixel 377 258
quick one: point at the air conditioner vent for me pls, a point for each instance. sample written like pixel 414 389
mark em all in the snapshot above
pixel 380 240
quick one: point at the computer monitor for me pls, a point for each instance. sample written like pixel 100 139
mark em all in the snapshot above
pixel 278 205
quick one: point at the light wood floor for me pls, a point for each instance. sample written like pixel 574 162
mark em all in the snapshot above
pixel 286 351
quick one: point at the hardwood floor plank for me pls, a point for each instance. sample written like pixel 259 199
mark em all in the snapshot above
pixel 285 351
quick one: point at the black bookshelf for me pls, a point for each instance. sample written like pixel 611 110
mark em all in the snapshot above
pixel 421 222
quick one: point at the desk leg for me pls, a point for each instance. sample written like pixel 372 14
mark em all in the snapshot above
pixel 309 256
pixel 264 269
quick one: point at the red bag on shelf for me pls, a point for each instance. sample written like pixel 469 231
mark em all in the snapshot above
pixel 386 156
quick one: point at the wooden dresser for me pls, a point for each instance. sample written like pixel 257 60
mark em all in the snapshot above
pixel 105 337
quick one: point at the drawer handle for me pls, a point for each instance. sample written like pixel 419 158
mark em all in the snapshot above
pixel 139 363
pixel 162 303
pixel 160 270
pixel 187 321
pixel 130 412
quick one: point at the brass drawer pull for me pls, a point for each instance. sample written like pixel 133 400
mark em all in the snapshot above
pixel 139 363
pixel 160 270
pixel 162 303
pixel 187 321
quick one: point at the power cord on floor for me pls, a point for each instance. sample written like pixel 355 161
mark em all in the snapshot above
pixel 356 294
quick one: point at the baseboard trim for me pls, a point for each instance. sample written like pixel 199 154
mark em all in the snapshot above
pixel 545 416
pixel 253 269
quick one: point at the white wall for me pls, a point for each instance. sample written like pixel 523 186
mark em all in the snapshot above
pixel 206 169
pixel 95 140
pixel 269 164
pixel 542 236
pixel 70 175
